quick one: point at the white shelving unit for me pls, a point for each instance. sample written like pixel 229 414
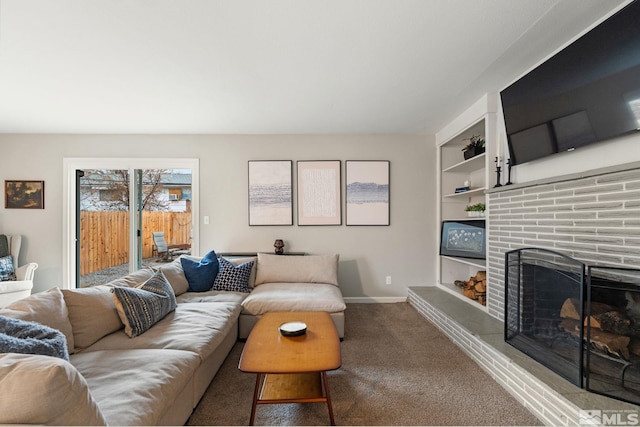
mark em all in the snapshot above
pixel 479 119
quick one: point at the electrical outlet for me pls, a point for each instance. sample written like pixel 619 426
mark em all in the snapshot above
pixel 206 220
pixel 388 280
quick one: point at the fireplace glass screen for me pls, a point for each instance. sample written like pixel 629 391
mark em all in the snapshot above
pixel 543 295
pixel 613 332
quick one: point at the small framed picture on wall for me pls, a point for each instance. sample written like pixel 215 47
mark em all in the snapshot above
pixel 24 194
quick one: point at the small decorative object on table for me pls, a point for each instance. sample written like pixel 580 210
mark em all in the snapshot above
pixel 279 245
pixel 474 147
pixel 293 329
pixel 509 172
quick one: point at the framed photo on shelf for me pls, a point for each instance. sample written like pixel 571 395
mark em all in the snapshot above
pixel 463 239
pixel 367 187
pixel 319 197
pixel 270 192
pixel 24 194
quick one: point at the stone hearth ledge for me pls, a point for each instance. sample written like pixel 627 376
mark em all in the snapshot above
pixel 551 398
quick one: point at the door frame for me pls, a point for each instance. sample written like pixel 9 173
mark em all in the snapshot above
pixel 71 164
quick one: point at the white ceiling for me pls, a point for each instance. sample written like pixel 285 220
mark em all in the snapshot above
pixel 268 66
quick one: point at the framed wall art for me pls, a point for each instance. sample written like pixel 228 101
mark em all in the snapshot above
pixel 319 197
pixel 24 194
pixel 270 192
pixel 367 185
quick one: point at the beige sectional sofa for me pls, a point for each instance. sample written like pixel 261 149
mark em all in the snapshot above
pixel 159 376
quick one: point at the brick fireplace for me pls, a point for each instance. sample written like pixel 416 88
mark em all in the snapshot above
pixel 593 217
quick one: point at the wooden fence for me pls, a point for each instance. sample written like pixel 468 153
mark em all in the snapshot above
pixel 104 236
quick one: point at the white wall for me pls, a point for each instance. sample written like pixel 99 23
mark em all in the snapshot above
pixel 368 254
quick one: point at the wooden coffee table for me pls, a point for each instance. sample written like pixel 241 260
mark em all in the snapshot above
pixel 291 369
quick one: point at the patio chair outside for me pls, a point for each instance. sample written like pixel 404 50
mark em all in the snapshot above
pixel 165 250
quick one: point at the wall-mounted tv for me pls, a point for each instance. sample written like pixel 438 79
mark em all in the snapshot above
pixel 463 239
pixel 586 93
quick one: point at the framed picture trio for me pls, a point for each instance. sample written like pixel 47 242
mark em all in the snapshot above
pixel 319 192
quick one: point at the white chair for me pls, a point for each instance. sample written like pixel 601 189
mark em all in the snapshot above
pixel 11 290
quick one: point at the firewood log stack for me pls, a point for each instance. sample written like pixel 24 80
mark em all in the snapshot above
pixel 475 288
pixel 612 331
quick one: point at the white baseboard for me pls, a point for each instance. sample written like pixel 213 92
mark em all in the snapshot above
pixel 374 300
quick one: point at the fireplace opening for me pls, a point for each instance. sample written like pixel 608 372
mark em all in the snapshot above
pixel 582 322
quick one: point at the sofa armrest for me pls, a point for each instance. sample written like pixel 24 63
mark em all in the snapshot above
pixel 12 291
pixel 25 272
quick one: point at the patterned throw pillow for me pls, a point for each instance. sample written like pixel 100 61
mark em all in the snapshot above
pixel 7 271
pixel 142 307
pixel 200 275
pixel 233 278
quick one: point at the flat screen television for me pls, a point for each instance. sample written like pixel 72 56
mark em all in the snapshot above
pixel 463 239
pixel 586 93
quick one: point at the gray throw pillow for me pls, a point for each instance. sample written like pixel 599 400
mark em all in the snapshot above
pixel 142 307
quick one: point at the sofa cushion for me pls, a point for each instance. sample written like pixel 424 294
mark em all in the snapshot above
pixel 134 279
pixel 142 307
pixel 212 296
pixel 44 390
pixel 201 274
pixel 297 269
pixel 7 270
pixel 196 327
pixel 92 314
pixel 47 308
pixel 232 277
pixel 175 275
pixel 270 297
pixel 21 336
pixel 136 387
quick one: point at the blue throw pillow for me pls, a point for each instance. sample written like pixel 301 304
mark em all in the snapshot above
pixel 7 271
pixel 233 278
pixel 201 275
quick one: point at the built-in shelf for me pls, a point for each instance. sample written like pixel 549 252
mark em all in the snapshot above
pixel 469 165
pixel 455 291
pixel 480 263
pixel 464 194
pixel 456 172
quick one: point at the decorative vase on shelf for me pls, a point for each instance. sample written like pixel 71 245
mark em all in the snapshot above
pixel 279 247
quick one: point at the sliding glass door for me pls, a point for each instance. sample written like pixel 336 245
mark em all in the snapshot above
pixel 114 213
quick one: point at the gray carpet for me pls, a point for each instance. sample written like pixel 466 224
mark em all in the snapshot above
pixel 397 369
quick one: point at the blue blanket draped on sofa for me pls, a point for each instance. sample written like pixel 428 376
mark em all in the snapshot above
pixel 19 336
